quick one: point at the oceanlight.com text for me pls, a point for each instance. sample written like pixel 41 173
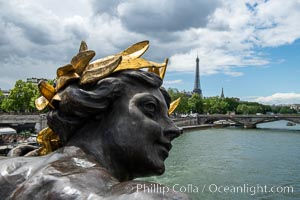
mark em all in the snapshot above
pixel 214 188
pixel 249 189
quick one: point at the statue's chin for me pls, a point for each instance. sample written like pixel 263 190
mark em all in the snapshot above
pixel 159 168
pixel 159 165
pixel 153 169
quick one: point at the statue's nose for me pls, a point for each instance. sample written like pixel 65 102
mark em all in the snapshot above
pixel 172 132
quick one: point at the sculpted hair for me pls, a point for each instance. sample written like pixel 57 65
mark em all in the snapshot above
pixel 79 104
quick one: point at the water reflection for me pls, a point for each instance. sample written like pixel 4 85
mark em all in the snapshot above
pixel 236 157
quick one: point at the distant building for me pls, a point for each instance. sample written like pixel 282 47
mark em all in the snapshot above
pixel 35 81
pixel 237 99
pixel 187 94
pixel 5 92
pixel 295 107
pixel 222 94
pixel 197 88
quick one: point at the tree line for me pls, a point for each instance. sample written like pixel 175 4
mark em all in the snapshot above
pixel 21 99
pixel 217 105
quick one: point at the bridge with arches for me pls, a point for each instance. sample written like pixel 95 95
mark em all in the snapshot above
pixel 39 121
pixel 248 121
pixel 21 122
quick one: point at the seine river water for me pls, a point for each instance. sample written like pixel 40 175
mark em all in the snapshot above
pixel 235 163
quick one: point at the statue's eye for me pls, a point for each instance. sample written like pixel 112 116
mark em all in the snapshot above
pixel 150 108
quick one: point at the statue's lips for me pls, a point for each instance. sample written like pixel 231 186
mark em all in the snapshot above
pixel 166 145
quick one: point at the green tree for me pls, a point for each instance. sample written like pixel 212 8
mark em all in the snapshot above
pixel 233 103
pixel 242 109
pixel 266 108
pixel 195 103
pixel 7 105
pixel 215 105
pixel 1 99
pixel 21 97
pixel 249 108
pixel 174 93
pixel 183 105
pixel 275 109
pixel 223 107
pixel 286 110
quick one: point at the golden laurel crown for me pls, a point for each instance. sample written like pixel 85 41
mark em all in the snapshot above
pixel 80 69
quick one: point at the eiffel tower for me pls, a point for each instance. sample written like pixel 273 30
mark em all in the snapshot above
pixel 197 88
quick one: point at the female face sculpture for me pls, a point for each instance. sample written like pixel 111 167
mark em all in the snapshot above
pixel 112 110
pixel 122 121
pixel 143 131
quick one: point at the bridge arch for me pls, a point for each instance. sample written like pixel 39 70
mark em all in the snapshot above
pixel 23 121
pixel 249 121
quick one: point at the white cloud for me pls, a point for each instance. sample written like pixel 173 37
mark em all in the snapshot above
pixel 154 16
pixel 279 98
pixel 224 33
pixel 234 74
pixel 278 24
pixel 172 82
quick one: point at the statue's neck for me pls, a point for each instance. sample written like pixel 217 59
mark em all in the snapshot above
pixel 104 155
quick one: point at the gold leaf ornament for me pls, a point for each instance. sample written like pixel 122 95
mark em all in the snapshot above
pixel 41 103
pixel 66 69
pixel 65 80
pixel 48 140
pixel 100 69
pixel 83 46
pixel 81 60
pixel 47 90
pixel 160 71
pixel 135 51
pixel 138 63
pixel 164 69
pixel 174 105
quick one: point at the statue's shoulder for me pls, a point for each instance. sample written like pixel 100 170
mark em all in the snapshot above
pixel 15 171
pixel 145 190
pixel 69 173
pixel 65 174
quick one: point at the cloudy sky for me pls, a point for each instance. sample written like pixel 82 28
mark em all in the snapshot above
pixel 251 48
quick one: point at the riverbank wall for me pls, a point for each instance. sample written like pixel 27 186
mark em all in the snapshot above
pixel 192 123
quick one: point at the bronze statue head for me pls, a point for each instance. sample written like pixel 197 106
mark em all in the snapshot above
pixel 121 118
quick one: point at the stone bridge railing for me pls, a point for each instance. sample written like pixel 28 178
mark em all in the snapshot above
pixel 190 121
pixel 23 121
pixel 248 121
pixel 39 121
